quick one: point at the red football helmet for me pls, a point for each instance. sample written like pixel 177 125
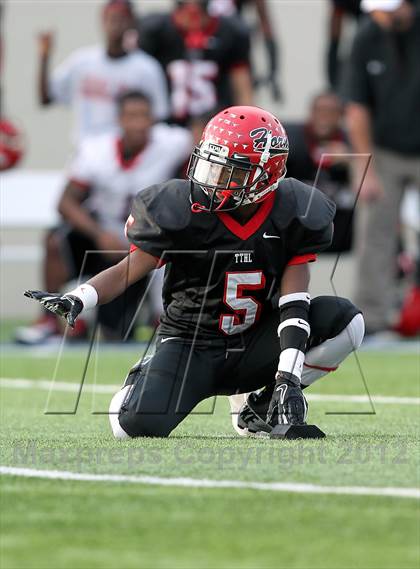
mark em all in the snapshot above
pixel 240 159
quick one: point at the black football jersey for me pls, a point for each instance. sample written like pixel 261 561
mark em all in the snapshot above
pixel 221 276
pixel 197 65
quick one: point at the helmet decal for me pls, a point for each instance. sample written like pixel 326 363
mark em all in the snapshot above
pixel 279 144
pixel 210 147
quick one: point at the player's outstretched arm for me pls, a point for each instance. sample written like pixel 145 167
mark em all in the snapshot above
pixel 100 289
pixel 114 281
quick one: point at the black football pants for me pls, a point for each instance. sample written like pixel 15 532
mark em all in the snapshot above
pixel 166 388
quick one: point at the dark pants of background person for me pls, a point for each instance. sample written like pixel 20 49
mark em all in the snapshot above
pixel 376 238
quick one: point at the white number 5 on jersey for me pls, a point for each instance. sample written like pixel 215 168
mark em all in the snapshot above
pixel 246 308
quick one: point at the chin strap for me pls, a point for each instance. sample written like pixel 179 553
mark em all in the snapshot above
pixel 226 196
pixel 197 207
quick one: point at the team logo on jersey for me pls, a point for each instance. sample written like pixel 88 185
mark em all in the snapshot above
pixel 243 257
pixel 279 144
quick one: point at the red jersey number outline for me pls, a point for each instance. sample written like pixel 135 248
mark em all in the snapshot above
pixel 230 299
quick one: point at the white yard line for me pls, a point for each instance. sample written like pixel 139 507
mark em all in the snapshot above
pixel 297 488
pixel 46 385
pixel 364 399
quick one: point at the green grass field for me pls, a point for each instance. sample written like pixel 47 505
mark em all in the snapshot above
pixel 87 524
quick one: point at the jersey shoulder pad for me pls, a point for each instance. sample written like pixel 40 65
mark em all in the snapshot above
pixel 306 214
pixel 306 204
pixel 167 205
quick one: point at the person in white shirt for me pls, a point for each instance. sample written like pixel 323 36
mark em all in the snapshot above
pixel 105 175
pixel 91 78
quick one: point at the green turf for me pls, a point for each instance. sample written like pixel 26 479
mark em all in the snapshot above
pixel 91 524
pixel 52 524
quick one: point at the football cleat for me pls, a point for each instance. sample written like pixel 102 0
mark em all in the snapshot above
pixel 67 305
pixel 251 417
pixel 236 403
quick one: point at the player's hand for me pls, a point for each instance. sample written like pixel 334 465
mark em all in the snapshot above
pixel 288 405
pixel 45 43
pixel 67 305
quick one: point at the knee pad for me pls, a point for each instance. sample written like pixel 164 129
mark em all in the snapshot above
pixel 114 411
pixel 328 355
pixel 334 350
pixel 356 330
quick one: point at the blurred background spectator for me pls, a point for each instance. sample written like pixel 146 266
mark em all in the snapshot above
pixel 206 60
pixel 320 156
pixel 104 176
pixel 91 78
pixel 11 139
pixel 343 19
pixel 382 87
pixel 203 55
pixel 11 144
pixel 263 11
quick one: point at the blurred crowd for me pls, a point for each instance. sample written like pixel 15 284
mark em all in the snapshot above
pixel 141 99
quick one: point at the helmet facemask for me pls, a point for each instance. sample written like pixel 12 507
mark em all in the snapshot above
pixel 228 182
